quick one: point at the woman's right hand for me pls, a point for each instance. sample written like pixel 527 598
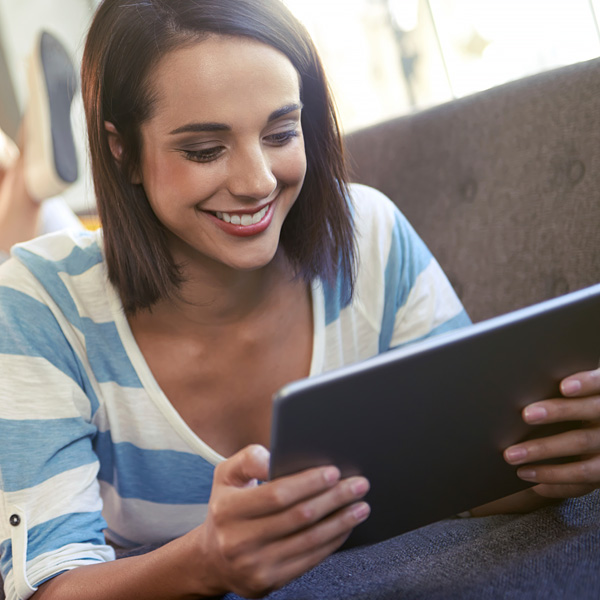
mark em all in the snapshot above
pixel 256 538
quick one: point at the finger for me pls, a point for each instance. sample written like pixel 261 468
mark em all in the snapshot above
pixel 322 534
pixel 569 443
pixel 282 493
pixel 289 496
pixel 279 562
pixel 308 512
pixel 244 467
pixel 586 471
pixel 571 490
pixel 269 576
pixel 556 410
pixel 584 383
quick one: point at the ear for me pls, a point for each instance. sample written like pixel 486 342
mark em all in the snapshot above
pixel 116 147
pixel 114 140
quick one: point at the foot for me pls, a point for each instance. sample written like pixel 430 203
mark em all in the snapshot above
pixel 49 149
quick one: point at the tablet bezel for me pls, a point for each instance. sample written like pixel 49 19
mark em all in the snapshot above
pixel 449 437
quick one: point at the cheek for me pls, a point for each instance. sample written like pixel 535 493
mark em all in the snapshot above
pixel 167 178
pixel 291 169
pixel 155 171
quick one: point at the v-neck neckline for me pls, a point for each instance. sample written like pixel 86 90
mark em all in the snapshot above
pixel 156 394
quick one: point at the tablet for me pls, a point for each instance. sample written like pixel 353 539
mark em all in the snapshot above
pixel 427 423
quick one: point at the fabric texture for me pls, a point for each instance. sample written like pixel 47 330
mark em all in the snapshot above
pixel 503 186
pixel 84 423
pixel 549 554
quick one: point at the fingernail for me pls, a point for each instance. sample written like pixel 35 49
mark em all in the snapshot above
pixel 361 511
pixel 571 386
pixel 360 487
pixel 260 452
pixel 331 474
pixel 516 454
pixel 534 414
pixel 527 474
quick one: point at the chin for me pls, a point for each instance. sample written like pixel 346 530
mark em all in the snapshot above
pixel 253 264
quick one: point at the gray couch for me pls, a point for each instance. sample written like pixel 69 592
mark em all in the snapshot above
pixel 503 186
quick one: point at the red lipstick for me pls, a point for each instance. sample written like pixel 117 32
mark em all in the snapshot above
pixel 244 230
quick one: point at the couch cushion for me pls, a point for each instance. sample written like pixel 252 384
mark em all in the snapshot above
pixel 503 185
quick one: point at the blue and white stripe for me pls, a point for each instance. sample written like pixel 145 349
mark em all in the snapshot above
pixel 401 294
pixel 91 448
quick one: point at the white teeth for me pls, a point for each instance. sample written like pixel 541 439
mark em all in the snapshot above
pixel 243 219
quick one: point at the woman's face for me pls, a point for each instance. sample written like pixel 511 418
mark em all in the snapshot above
pixel 223 155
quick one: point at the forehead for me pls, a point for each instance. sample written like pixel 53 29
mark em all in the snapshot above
pixel 221 76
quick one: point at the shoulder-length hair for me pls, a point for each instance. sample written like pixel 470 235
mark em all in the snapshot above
pixel 126 39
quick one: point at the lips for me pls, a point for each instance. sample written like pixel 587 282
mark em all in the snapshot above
pixel 244 224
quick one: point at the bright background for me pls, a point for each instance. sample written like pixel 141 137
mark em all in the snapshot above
pixel 391 57
pixel 384 58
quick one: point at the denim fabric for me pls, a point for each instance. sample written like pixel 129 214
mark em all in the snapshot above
pixel 552 553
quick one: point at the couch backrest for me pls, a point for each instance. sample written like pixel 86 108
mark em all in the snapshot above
pixel 503 186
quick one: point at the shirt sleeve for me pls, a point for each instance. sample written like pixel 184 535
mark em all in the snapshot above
pixel 50 504
pixel 419 300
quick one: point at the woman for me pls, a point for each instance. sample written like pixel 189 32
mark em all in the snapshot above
pixel 231 263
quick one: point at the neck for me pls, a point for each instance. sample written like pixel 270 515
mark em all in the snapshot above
pixel 220 296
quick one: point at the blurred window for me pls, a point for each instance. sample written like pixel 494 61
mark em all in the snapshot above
pixel 390 57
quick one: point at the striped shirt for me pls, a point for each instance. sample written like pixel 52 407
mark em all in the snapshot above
pixel 90 447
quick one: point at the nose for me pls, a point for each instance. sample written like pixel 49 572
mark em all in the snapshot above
pixel 251 175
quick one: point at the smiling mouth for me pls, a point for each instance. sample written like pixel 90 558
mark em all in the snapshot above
pixel 242 219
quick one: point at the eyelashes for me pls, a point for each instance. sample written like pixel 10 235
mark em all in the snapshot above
pixel 207 155
pixel 210 154
pixel 280 139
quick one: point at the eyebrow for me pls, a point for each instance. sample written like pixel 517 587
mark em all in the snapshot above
pixel 200 127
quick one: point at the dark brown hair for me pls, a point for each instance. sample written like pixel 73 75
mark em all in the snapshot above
pixel 126 39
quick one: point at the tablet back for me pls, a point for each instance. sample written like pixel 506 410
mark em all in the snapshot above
pixel 427 424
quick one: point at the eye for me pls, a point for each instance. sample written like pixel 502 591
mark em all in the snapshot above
pixel 204 155
pixel 282 138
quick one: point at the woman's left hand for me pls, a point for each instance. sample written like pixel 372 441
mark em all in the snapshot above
pixel 581 402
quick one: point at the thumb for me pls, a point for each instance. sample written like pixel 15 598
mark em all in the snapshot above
pixel 245 467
